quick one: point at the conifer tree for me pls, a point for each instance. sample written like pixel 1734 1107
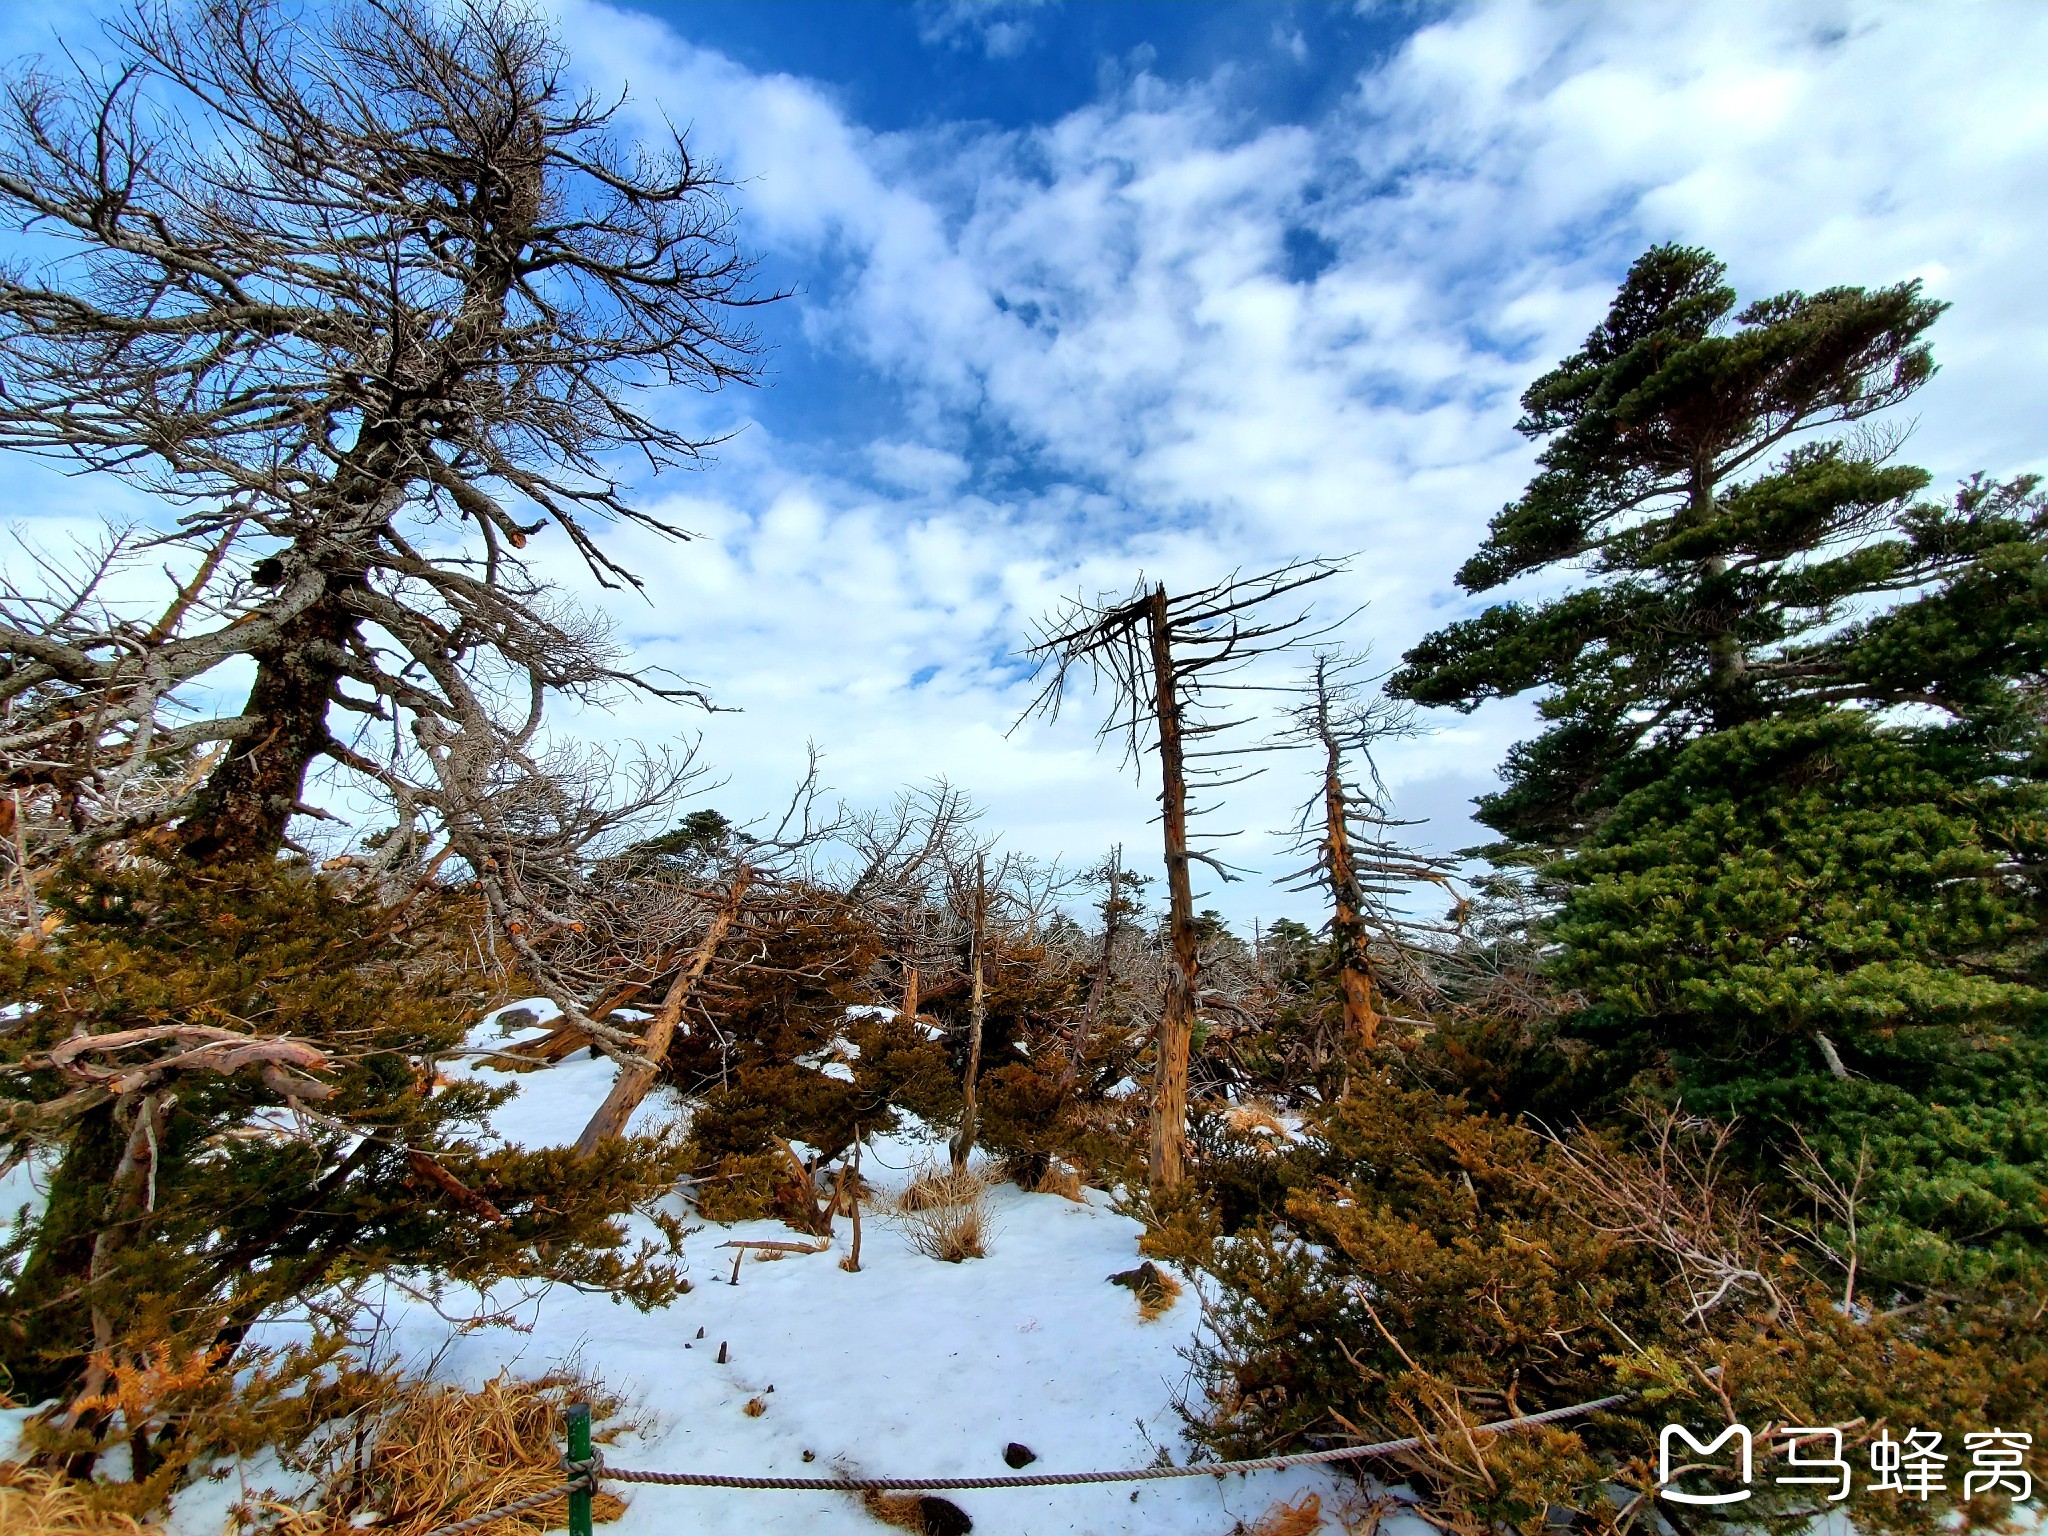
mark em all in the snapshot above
pixel 1715 599
pixel 1785 897
pixel 235 1079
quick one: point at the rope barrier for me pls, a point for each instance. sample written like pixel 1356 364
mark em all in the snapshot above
pixel 517 1507
pixel 590 1472
pixel 1068 1479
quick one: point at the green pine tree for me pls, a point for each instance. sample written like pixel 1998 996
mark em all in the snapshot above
pixel 1791 783
pixel 1713 599
pixel 261 1124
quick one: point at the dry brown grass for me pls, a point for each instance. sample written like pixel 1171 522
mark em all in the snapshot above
pixel 945 1215
pixel 42 1504
pixel 894 1509
pixel 1255 1117
pixel 1155 1289
pixel 1303 1517
pixel 441 1454
pixel 1156 1305
pixel 915 1512
pixel 1059 1179
pixel 942 1186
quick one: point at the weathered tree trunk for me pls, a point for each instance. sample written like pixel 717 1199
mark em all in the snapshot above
pixel 1214 629
pixel 1168 1157
pixel 910 978
pixel 1105 974
pixel 977 1017
pixel 635 1080
pixel 247 802
pixel 1361 1017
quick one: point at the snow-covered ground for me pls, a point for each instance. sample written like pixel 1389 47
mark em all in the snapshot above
pixel 911 1367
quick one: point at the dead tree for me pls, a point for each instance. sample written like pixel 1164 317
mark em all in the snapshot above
pixel 652 916
pixel 1358 864
pixel 893 865
pixel 972 898
pixel 637 1077
pixel 1164 657
pixel 367 292
pixel 1121 888
pixel 910 953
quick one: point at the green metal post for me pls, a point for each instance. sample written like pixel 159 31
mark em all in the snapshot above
pixel 579 1450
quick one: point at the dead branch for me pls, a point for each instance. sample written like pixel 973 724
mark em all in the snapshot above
pixel 1674 1198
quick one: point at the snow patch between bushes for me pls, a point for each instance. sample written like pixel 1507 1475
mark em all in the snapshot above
pixel 909 1367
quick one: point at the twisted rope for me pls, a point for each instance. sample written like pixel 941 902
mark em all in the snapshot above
pixel 586 1475
pixel 1068 1479
pixel 517 1507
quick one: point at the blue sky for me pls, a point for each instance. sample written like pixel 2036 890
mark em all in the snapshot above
pixel 1084 291
pixel 897 65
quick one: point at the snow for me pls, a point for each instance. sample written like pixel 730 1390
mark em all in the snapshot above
pixel 909 1367
pixel 553 1111
pixel 835 1060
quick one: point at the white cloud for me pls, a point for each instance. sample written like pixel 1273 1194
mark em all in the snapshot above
pixel 1105 299
pixel 1002 29
pixel 1289 41
pixel 1110 291
pixel 917 468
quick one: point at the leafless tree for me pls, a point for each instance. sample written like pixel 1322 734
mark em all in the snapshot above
pixel 367 293
pixel 1350 833
pixel 1165 658
pixel 637 1077
pixel 892 864
pixel 622 930
pixel 902 850
pixel 970 898
pixel 1838 1195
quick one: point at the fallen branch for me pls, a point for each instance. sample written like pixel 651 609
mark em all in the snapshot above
pixel 208 1049
pixel 775 1246
pixel 652 1048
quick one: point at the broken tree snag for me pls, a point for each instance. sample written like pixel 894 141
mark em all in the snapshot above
pixel 636 1078
pixel 1361 1018
pixel 850 1184
pixel 977 1014
pixel 910 977
pixel 1168 1150
pixel 1346 830
pixel 1159 653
